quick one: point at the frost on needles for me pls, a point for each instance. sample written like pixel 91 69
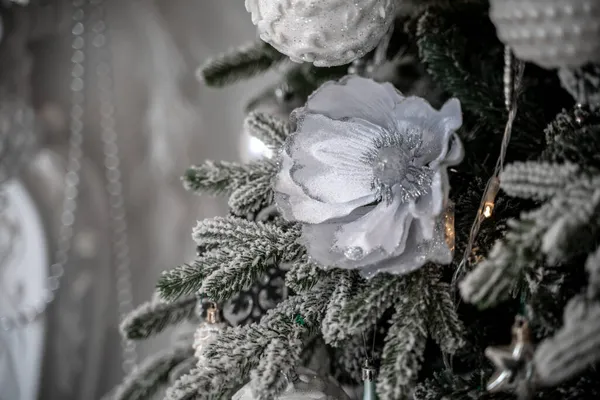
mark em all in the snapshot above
pixel 538 254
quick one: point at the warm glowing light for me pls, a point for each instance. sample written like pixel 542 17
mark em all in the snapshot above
pixel 488 208
pixel 449 226
pixel 258 148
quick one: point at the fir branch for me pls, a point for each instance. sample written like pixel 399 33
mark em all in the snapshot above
pixel 566 133
pixel 303 275
pixel 492 280
pixel 252 196
pixel 440 47
pixel 233 231
pixel 233 355
pixel 592 266
pixel 189 386
pixel 346 360
pixel 224 177
pixel 443 322
pixel 280 358
pixel 187 279
pixel 239 273
pixel 332 327
pixel 252 248
pixel 536 180
pixel 181 369
pixel 577 229
pixel 377 296
pixel 149 376
pixel 267 128
pixel 153 317
pixel 575 347
pixel 242 63
pixel 403 350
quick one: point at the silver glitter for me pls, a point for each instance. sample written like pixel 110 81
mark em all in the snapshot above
pixel 354 253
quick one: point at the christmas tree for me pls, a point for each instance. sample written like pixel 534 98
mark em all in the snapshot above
pixel 436 183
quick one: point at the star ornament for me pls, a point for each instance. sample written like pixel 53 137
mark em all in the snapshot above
pixel 513 362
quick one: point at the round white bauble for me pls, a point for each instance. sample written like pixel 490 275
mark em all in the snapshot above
pixel 550 33
pixel 307 386
pixel 323 32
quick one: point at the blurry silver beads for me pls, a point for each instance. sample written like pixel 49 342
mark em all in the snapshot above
pixel 550 33
pixel 17 136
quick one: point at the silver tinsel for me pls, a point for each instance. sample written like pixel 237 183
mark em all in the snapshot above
pixel 550 33
pixel 17 137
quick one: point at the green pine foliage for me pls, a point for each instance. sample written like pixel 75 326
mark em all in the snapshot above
pixel 153 317
pixel 238 64
pixel 539 253
pixel 150 376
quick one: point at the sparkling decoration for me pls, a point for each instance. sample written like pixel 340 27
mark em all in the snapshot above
pixel 304 385
pixel 514 371
pixel 17 137
pixel 366 173
pixel 323 32
pixel 206 333
pixel 369 373
pixel 550 33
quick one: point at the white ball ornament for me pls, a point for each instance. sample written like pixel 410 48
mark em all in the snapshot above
pixel 305 385
pixel 323 32
pixel 550 33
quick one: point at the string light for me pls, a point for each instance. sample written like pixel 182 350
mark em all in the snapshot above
pixel 513 75
pixel 449 226
pixel 490 197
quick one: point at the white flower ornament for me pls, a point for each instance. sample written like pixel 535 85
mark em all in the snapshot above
pixel 366 173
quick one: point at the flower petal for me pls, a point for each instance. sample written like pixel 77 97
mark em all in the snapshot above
pixel 436 126
pixel 385 227
pixel 295 205
pixel 418 252
pixel 318 238
pixel 328 161
pixel 354 96
pixel 456 153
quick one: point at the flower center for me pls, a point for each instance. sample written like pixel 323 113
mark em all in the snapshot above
pixel 393 168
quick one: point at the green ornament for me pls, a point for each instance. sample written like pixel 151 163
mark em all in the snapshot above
pixel 368 376
pixel 299 320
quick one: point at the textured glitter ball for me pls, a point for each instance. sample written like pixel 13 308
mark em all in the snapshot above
pixel 550 33
pixel 323 32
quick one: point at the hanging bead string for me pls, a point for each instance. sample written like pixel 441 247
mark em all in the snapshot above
pixel 114 186
pixel 513 76
pixel 31 313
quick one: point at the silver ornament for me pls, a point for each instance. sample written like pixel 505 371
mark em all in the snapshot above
pixel 207 332
pixel 323 32
pixel 550 33
pixel 365 173
pixel 304 385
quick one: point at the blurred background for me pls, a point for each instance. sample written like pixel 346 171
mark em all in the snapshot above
pixel 115 149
